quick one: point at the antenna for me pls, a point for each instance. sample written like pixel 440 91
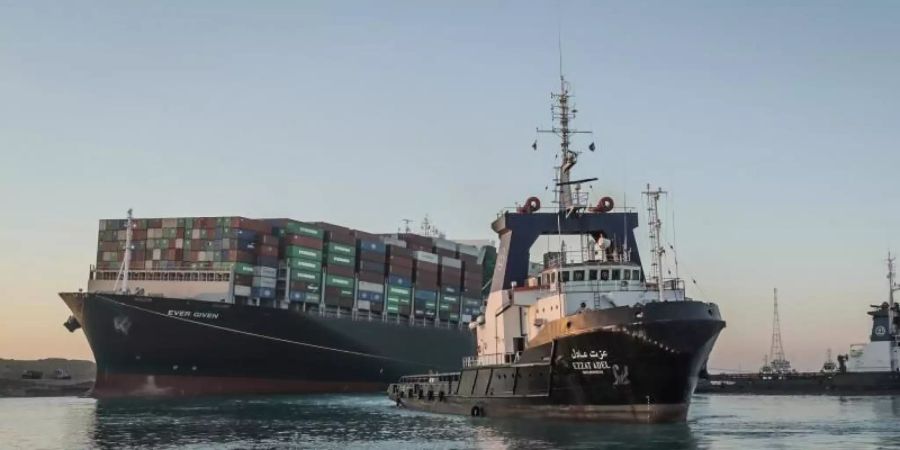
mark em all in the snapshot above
pixel 563 112
pixel 406 223
pixel 126 262
pixel 892 287
pixel 655 237
pixel 780 364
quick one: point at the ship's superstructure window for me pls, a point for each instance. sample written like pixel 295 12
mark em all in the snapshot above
pixel 616 274
pixel 627 275
pixel 636 275
pixel 592 274
pixel 578 275
pixel 565 276
pixel 604 275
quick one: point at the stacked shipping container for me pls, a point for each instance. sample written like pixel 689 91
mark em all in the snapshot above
pixel 321 264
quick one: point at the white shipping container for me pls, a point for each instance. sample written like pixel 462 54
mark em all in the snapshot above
pixel 370 287
pixel 243 291
pixel 362 304
pixel 445 244
pixel 170 223
pixel 470 250
pixel 148 265
pixel 466 317
pixel 394 242
pixel 157 254
pixel 120 235
pixel 179 243
pixel 201 256
pixel 451 262
pixel 262 271
pixel 426 256
pixel 195 233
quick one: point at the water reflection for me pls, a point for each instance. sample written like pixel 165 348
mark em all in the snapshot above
pixel 349 421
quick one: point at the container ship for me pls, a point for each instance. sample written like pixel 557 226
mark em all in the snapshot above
pixel 589 337
pixel 234 305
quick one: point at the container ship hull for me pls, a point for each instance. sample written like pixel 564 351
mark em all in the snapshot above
pixel 156 346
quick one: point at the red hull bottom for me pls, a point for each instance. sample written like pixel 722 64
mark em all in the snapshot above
pixel 137 385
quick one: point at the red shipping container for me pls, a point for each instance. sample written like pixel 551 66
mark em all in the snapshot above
pixel 371 277
pixel 400 262
pixel 342 271
pixel 400 271
pixel 268 239
pixel 139 235
pixel 404 252
pixel 346 238
pixel 302 241
pixel 267 250
pixel 371 256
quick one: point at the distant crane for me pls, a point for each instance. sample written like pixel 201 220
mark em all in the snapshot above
pixel 779 363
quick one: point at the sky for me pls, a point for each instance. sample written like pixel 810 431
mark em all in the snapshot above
pixel 773 125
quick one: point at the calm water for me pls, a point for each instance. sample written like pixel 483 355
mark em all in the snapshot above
pixel 370 421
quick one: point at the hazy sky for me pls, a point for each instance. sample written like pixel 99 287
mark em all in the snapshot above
pixel 773 124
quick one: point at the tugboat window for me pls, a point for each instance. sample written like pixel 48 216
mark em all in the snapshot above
pixel 616 274
pixel 578 275
pixel 604 275
pixel 592 274
pixel 553 277
pixel 565 276
pixel 636 275
pixel 627 274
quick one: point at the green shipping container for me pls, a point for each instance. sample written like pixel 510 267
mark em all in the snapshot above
pixel 304 275
pixel 392 309
pixel 294 251
pixel 304 264
pixel 340 249
pixel 399 291
pixel 398 300
pixel 341 260
pixel 243 268
pixel 336 281
pixel 303 229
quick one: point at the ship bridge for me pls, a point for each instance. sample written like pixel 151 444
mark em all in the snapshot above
pixel 519 231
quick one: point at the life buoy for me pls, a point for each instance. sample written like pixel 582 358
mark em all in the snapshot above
pixel 605 204
pixel 531 205
pixel 476 411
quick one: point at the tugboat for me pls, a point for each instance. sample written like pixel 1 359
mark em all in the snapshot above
pixel 871 368
pixel 589 336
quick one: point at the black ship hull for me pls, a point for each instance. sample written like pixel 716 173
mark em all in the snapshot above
pixel 606 366
pixel 152 346
pixel 839 383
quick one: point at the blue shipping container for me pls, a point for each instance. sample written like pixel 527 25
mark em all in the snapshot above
pixel 259 292
pixel 397 280
pixel 371 296
pixel 425 295
pixel 372 246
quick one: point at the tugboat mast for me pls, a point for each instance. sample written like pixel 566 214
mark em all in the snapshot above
pixel 655 237
pixel 563 114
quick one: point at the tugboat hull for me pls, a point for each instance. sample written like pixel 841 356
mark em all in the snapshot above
pixel 602 366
